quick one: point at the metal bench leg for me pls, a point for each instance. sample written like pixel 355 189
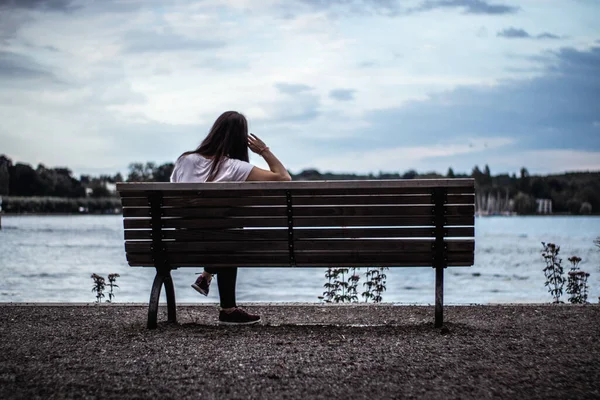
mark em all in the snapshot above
pixel 170 292
pixel 439 297
pixel 162 278
pixel 154 298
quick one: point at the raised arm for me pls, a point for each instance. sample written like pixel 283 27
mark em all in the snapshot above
pixel 277 170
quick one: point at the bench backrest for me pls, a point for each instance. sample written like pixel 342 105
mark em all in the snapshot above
pixel 314 223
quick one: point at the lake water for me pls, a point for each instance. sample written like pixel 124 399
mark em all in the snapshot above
pixel 51 258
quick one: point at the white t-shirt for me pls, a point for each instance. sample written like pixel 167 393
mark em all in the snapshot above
pixel 195 168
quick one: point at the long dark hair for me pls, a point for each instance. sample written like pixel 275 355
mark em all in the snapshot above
pixel 228 137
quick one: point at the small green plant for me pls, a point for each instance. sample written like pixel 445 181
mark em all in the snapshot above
pixel 336 287
pixel 577 282
pixel 379 278
pixel 112 278
pixel 99 285
pixel 553 271
pixel 368 293
pixel 353 280
pixel 330 288
pixel 375 284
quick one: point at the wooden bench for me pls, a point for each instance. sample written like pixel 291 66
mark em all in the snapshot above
pixel 396 223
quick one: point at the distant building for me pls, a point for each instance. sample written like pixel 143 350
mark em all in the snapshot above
pixel 111 187
pixel 544 206
pixel 493 204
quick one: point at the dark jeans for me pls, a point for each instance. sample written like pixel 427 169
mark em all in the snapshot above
pixel 226 278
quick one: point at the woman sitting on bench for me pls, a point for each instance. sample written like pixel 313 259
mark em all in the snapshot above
pixel 223 157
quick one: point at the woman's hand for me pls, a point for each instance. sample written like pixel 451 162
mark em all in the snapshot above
pixel 255 144
pixel 277 170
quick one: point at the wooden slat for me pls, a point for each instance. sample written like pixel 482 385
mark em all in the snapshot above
pixel 208 223
pixel 463 263
pixel 373 257
pixel 299 234
pixel 382 245
pixel 135 201
pixel 424 199
pixel 200 235
pixel 298 222
pixel 303 259
pixel 336 233
pixel 211 247
pixel 347 245
pixel 210 212
pixel 300 211
pixel 213 259
pixel 300 185
pixel 461 199
pixel 194 201
pixel 468 220
pixel 129 212
pixel 207 192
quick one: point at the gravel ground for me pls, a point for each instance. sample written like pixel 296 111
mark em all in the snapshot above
pixel 301 351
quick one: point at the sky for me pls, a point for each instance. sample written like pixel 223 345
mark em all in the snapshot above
pixel 347 86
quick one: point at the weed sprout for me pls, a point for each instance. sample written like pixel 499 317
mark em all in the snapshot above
pixel 112 278
pixel 577 282
pixel 553 271
pixel 99 285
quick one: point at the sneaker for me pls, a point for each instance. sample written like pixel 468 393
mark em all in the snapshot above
pixel 238 317
pixel 202 285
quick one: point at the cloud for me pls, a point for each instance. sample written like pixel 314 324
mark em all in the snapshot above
pixel 292 88
pixel 291 110
pixel 342 94
pixel 367 64
pixel 481 32
pixel 296 102
pixel 469 6
pixel 17 66
pixel 514 33
pixel 547 35
pixel 394 8
pixel 10 22
pixel 570 62
pixel 360 7
pixel 154 42
pixel 46 5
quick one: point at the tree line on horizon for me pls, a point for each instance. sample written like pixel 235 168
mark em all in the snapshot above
pixel 574 193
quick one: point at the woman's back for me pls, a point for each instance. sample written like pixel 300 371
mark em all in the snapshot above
pixel 196 168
